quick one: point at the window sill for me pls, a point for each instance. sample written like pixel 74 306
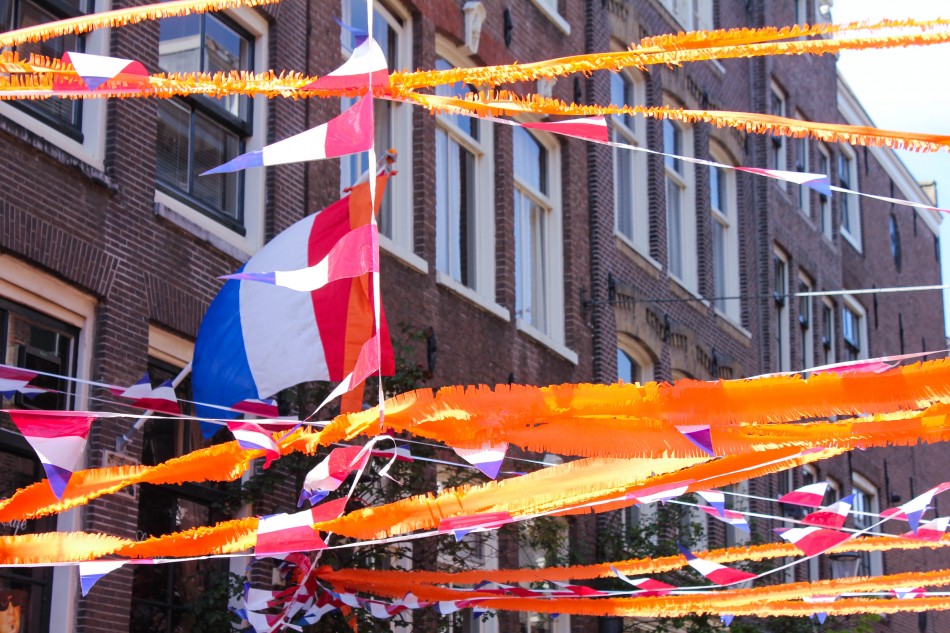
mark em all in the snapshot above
pixel 402 253
pixel 554 16
pixel 196 223
pixel 629 250
pixel 683 288
pixel 472 296
pixel 544 339
pixel 733 323
pixel 855 242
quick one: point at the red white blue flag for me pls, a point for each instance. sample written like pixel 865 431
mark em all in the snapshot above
pixel 813 540
pixel 832 516
pixel 719 574
pixel 810 496
pixel 58 437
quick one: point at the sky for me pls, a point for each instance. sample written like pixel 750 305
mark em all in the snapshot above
pixel 905 89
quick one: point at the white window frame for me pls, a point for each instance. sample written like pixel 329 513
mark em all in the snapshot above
pixel 549 9
pixel 400 187
pixel 201 225
pixel 806 320
pixel 782 336
pixel 40 291
pixel 92 149
pixel 850 203
pixel 872 502
pixel 554 335
pixel 637 209
pixel 824 200
pixel 728 220
pixel 482 292
pixel 778 147
pixel 692 15
pixel 850 304
pixel 803 164
pixel 684 181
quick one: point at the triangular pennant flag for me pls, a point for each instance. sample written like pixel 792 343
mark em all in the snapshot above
pixel 819 182
pixel 97 71
pixel 141 389
pixel 719 574
pixel 261 408
pixel 366 66
pixel 914 509
pixel 714 498
pixel 591 128
pixel 733 518
pixel 810 496
pixel 347 133
pixel 333 470
pixel 908 593
pixel 400 452
pixel 700 436
pixel 12 379
pixel 726 619
pixel 821 616
pixel 284 533
pixel 814 540
pixel 832 516
pixel 359 35
pixel 251 436
pixel 487 459
pixel 58 437
pixel 356 254
pixel 91 571
pixel 466 524
pixel 662 492
pixel 161 399
pixel 932 530
pixel 647 586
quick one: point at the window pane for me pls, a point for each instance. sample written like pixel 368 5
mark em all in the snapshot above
pixel 715 194
pixel 225 50
pixel 467 124
pixel 623 186
pixel 672 144
pixel 674 229
pixel 530 160
pixel 179 44
pixel 627 370
pixel 719 263
pixel 60 109
pixel 174 123
pixel 215 145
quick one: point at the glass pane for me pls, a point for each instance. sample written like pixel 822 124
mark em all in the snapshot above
pixel 627 370
pixel 64 110
pixel 467 124
pixel 719 263
pixel 225 50
pixel 42 347
pixel 442 203
pixel 530 160
pixel 522 306
pixel 179 44
pixel 715 194
pixel 623 186
pixel 674 231
pixel 539 270
pixel 672 144
pixel 215 145
pixel 174 126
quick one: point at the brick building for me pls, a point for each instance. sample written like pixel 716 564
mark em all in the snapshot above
pixel 553 261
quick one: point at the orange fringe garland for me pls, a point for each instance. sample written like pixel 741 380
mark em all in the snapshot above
pixel 120 17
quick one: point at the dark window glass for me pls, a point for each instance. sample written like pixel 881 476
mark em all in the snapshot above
pixel 199 133
pixel 63 114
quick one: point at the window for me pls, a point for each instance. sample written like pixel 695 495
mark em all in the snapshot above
pixel 801 12
pixel 163 596
pixel 634 364
pixel 777 151
pixel 464 214
pixel 828 331
pixel 780 297
pixel 391 30
pixel 866 501
pixel 198 133
pixel 539 292
pixel 693 15
pixel 76 126
pixel 543 542
pixel 630 167
pixel 823 11
pixel 824 201
pixel 680 220
pixel 805 318
pixel 31 340
pixel 850 209
pixel 895 242
pixel 725 238
pixel 802 163
pixel 854 330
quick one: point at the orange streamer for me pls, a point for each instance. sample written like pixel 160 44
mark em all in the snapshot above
pixel 120 17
